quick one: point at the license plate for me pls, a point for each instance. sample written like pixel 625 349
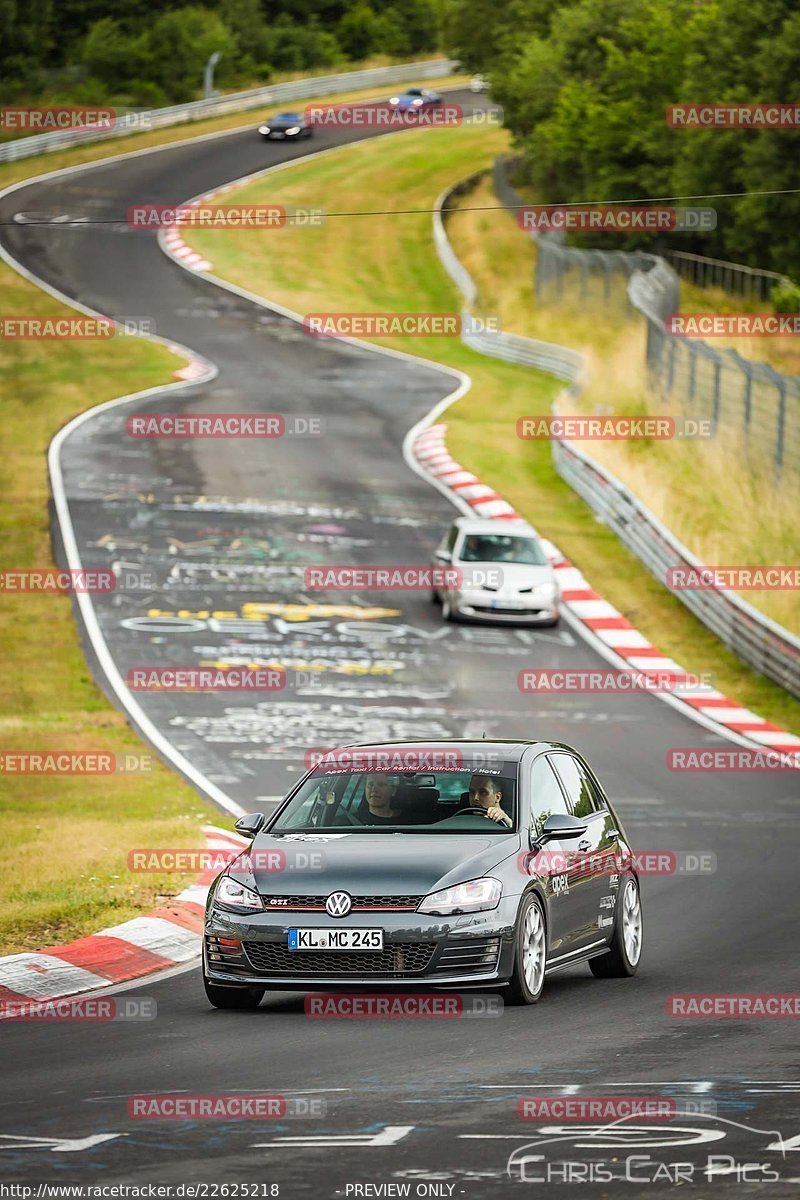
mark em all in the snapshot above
pixel 502 602
pixel 335 939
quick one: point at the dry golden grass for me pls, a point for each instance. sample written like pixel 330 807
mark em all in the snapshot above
pixel 724 516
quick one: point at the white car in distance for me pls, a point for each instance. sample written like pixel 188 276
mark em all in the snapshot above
pixel 495 571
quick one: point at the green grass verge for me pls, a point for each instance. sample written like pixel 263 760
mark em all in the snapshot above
pixel 68 837
pixel 388 263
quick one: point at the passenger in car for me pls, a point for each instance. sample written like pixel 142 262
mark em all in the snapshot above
pixel 380 803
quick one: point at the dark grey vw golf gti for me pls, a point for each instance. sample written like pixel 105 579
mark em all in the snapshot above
pixel 447 864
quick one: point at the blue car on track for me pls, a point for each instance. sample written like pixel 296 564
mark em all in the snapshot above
pixel 415 98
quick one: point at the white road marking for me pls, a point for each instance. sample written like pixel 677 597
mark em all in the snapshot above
pixel 389 1136
pixel 57 1145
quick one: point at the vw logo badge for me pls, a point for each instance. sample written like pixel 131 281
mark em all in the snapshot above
pixel 338 904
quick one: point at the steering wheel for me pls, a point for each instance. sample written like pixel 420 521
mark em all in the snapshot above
pixel 478 808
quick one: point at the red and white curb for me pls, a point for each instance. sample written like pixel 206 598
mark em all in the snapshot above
pixel 196 368
pixel 595 613
pixel 177 248
pixel 165 937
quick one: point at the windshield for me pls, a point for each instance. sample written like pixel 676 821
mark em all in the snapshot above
pixel 498 547
pixel 396 801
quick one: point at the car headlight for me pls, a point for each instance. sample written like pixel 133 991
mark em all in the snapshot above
pixel 235 895
pixel 395 100
pixel 475 896
pixel 546 589
pixel 263 129
pixel 417 102
pixel 294 129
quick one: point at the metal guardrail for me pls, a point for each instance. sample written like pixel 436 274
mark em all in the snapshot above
pixel 218 106
pixel 757 640
pixel 546 356
pixel 736 278
pixel 755 406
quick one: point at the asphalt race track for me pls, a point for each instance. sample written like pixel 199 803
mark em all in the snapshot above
pixel 226 528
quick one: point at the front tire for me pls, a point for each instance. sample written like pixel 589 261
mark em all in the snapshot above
pixel 622 961
pixel 241 998
pixel 449 613
pixel 530 957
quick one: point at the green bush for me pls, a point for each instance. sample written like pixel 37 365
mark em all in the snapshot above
pixel 785 297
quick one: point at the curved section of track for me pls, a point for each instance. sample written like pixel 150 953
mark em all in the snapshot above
pixel 222 531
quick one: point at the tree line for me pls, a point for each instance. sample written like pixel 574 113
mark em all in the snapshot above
pixel 152 52
pixel 585 85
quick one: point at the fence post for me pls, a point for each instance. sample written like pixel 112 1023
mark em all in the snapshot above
pixel 715 400
pixel 781 430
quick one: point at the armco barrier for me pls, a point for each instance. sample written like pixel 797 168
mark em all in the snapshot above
pixel 746 400
pixel 218 106
pixel 757 640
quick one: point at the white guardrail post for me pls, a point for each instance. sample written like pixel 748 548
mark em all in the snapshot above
pixel 197 110
pixel 757 640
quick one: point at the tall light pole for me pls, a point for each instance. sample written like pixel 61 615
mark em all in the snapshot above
pixel 208 75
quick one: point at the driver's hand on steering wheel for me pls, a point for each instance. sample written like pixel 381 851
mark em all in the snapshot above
pixel 496 813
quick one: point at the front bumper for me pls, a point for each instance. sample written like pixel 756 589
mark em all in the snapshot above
pixel 486 606
pixel 418 949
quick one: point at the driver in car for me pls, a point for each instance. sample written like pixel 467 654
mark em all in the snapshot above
pixel 484 792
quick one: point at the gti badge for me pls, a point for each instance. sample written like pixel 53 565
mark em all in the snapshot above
pixel 338 904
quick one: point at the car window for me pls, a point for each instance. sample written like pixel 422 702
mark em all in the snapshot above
pixel 428 800
pixel 546 794
pixel 493 547
pixel 580 790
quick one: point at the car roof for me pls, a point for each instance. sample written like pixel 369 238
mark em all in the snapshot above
pixel 486 525
pixel 511 750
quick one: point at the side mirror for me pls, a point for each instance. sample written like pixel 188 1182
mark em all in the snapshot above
pixel 444 555
pixel 560 827
pixel 249 824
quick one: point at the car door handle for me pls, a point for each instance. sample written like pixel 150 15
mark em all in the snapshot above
pixel 585 844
